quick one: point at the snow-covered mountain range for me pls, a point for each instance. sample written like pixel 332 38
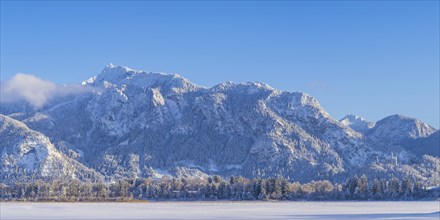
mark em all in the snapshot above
pixel 137 124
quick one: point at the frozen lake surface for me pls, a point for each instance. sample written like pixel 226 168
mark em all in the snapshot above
pixel 222 210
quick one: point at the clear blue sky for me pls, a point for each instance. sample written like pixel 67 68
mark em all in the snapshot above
pixel 369 58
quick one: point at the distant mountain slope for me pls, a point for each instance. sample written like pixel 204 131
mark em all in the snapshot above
pixel 139 124
pixel 425 145
pixel 27 154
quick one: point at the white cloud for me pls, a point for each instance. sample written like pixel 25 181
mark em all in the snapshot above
pixel 34 90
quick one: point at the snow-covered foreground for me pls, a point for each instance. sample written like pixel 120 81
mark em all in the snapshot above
pixel 222 210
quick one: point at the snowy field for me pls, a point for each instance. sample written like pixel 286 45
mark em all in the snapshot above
pixel 222 210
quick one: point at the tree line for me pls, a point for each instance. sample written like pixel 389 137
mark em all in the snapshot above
pixel 217 188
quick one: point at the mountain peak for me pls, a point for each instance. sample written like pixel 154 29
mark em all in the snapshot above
pixel 397 128
pixel 110 65
pixel 352 118
pixel 248 86
pixel 398 118
pixel 121 69
pixel 356 123
pixel 120 76
pixel 112 73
